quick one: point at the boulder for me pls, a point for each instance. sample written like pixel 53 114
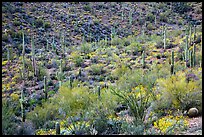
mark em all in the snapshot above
pixel 192 112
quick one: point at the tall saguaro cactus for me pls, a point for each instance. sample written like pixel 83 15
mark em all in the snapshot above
pixel 8 58
pixel 190 33
pixel 194 32
pixel 22 102
pixel 45 87
pixel 172 63
pixel 23 58
pixel 57 128
pixel 164 39
pixel 194 56
pixel 143 59
pixel 99 92
pixel 33 57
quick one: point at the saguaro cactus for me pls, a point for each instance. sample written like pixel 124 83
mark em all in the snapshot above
pixel 194 56
pixel 71 82
pixel 143 59
pixel 190 33
pixel 57 127
pixel 194 32
pixel 186 48
pixel 164 40
pixel 8 57
pixel 130 17
pixel 33 57
pixel 23 59
pixel 191 58
pixel 99 92
pixel 172 63
pixel 22 102
pixel 45 87
pixel 47 46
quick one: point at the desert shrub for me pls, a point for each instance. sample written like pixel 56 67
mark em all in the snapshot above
pixel 87 7
pixel 77 59
pixel 120 70
pixel 42 114
pixel 132 128
pixel 150 26
pixel 97 69
pixel 177 93
pixel 163 17
pixel 39 23
pixel 150 17
pixel 74 100
pixel 8 125
pixel 86 48
pixel 47 25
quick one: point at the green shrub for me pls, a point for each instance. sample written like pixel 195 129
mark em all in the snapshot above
pixel 8 113
pixel 77 59
pixel 177 93
pixel 97 69
pixel 87 7
pixel 42 114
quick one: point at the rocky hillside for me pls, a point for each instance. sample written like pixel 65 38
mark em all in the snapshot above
pixel 89 21
pixel 101 67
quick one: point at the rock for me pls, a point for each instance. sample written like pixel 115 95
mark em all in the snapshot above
pixel 192 112
pixel 120 108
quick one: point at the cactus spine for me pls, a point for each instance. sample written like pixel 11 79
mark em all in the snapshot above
pixel 57 127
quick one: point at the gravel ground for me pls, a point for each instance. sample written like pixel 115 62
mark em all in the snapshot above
pixel 195 127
